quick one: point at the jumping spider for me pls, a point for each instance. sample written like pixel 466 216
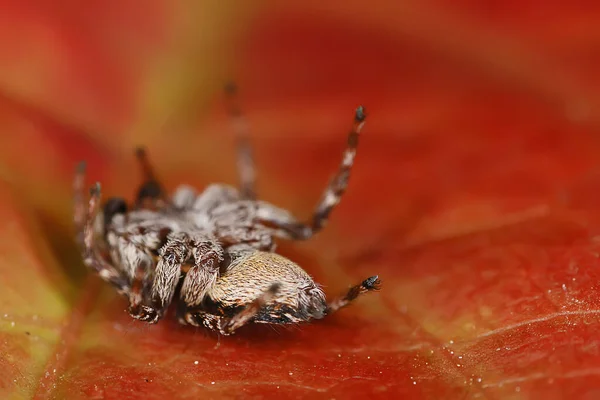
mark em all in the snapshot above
pixel 215 248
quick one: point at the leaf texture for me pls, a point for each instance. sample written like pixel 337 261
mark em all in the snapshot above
pixel 473 197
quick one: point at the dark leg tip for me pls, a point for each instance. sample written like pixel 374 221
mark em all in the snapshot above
pixel 144 314
pixel 231 88
pixel 140 151
pixel 372 283
pixel 81 167
pixel 95 190
pixel 360 115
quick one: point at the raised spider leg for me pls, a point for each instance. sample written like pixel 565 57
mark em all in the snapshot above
pixel 369 284
pixel 151 194
pixel 245 160
pixel 85 235
pixel 228 325
pixel 338 184
pixel 287 226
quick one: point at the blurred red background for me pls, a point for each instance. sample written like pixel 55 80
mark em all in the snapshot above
pixel 474 194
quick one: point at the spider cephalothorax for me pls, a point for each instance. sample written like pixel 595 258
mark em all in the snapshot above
pixel 215 248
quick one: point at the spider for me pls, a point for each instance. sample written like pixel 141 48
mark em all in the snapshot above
pixel 214 250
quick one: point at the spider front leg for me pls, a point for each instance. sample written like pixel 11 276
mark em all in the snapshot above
pixel 86 236
pixel 131 251
pixel 290 228
pixel 168 271
pixel 245 160
pixel 229 325
pixel 201 277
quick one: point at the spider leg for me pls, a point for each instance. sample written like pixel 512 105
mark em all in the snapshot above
pixel 136 263
pixel 369 284
pixel 200 278
pixel 184 197
pixel 245 160
pixel 86 235
pixel 244 236
pixel 337 186
pixel 151 194
pixel 215 195
pixel 228 325
pixel 201 318
pixel 286 225
pixel 168 271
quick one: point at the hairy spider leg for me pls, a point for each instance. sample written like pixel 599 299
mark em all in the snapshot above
pixel 86 236
pixel 289 227
pixel 215 195
pixel 131 250
pixel 245 237
pixel 369 284
pixel 245 159
pixel 173 255
pixel 228 325
pixel 201 277
pixel 151 194
pixel 338 184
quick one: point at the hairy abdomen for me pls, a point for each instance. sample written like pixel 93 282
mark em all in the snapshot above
pixel 248 277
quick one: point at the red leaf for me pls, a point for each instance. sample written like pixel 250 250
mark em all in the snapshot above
pixel 473 195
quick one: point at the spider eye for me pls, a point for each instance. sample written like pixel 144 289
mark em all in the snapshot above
pixel 114 206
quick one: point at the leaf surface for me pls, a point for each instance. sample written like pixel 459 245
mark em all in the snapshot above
pixel 474 194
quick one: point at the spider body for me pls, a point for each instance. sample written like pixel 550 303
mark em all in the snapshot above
pixel 214 249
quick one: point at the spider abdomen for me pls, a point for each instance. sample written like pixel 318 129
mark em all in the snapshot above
pixel 298 297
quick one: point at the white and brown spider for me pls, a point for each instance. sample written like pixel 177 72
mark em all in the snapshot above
pixel 214 249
